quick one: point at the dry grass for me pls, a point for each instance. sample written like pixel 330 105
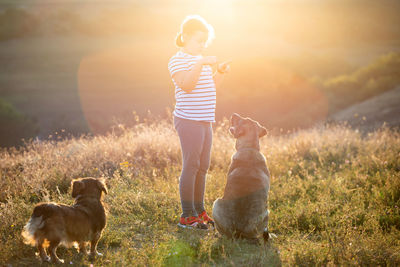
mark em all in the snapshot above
pixel 334 199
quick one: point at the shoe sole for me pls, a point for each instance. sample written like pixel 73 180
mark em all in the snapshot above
pixel 196 226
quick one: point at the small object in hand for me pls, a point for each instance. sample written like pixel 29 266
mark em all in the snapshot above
pixel 224 67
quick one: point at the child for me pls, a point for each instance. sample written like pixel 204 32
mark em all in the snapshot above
pixel 195 94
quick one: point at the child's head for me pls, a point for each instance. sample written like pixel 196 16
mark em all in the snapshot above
pixel 195 34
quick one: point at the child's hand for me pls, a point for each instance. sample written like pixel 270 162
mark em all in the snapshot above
pixel 224 67
pixel 209 60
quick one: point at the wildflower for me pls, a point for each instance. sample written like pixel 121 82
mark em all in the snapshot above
pixel 124 164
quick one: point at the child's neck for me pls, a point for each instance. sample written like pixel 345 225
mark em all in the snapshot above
pixel 189 52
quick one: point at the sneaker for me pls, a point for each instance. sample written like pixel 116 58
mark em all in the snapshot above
pixel 205 218
pixel 191 223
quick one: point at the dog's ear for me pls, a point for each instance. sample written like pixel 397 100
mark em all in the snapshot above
pixel 102 185
pixel 77 187
pixel 235 119
pixel 262 131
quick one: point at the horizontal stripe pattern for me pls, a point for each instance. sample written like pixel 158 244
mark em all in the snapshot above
pixel 200 103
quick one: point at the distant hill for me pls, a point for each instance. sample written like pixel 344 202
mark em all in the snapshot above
pixel 372 113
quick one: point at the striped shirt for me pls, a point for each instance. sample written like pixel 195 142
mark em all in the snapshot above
pixel 199 104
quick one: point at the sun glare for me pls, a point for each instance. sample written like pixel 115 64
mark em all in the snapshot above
pixel 218 10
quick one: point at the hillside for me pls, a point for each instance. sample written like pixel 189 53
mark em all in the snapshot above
pixel 372 113
pixel 334 198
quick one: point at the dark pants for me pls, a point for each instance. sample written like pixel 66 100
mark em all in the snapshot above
pixel 196 141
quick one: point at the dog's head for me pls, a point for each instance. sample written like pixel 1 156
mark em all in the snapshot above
pixel 245 129
pixel 88 187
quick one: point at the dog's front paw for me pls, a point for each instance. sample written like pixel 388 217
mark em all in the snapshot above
pixel 95 254
pixel 268 235
pixel 57 261
pixel 45 259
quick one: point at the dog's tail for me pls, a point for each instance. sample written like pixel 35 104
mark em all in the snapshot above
pixel 30 229
pixel 35 223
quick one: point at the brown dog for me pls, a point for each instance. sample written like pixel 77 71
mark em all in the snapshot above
pixel 52 224
pixel 242 211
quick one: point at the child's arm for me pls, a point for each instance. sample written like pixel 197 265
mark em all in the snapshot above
pixel 219 74
pixel 187 80
pixel 218 78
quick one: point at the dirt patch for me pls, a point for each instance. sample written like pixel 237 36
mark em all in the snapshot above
pixel 374 112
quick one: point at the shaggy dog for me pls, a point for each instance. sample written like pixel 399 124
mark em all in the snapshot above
pixel 242 211
pixel 52 224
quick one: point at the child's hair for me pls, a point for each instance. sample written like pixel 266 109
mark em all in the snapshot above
pixel 192 24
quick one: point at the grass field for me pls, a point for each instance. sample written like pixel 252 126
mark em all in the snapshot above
pixel 334 198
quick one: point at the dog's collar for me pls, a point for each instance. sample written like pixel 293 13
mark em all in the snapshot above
pixel 247 148
pixel 257 155
pixel 79 197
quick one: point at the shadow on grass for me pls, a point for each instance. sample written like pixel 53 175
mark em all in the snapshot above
pixel 194 247
pixel 70 256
